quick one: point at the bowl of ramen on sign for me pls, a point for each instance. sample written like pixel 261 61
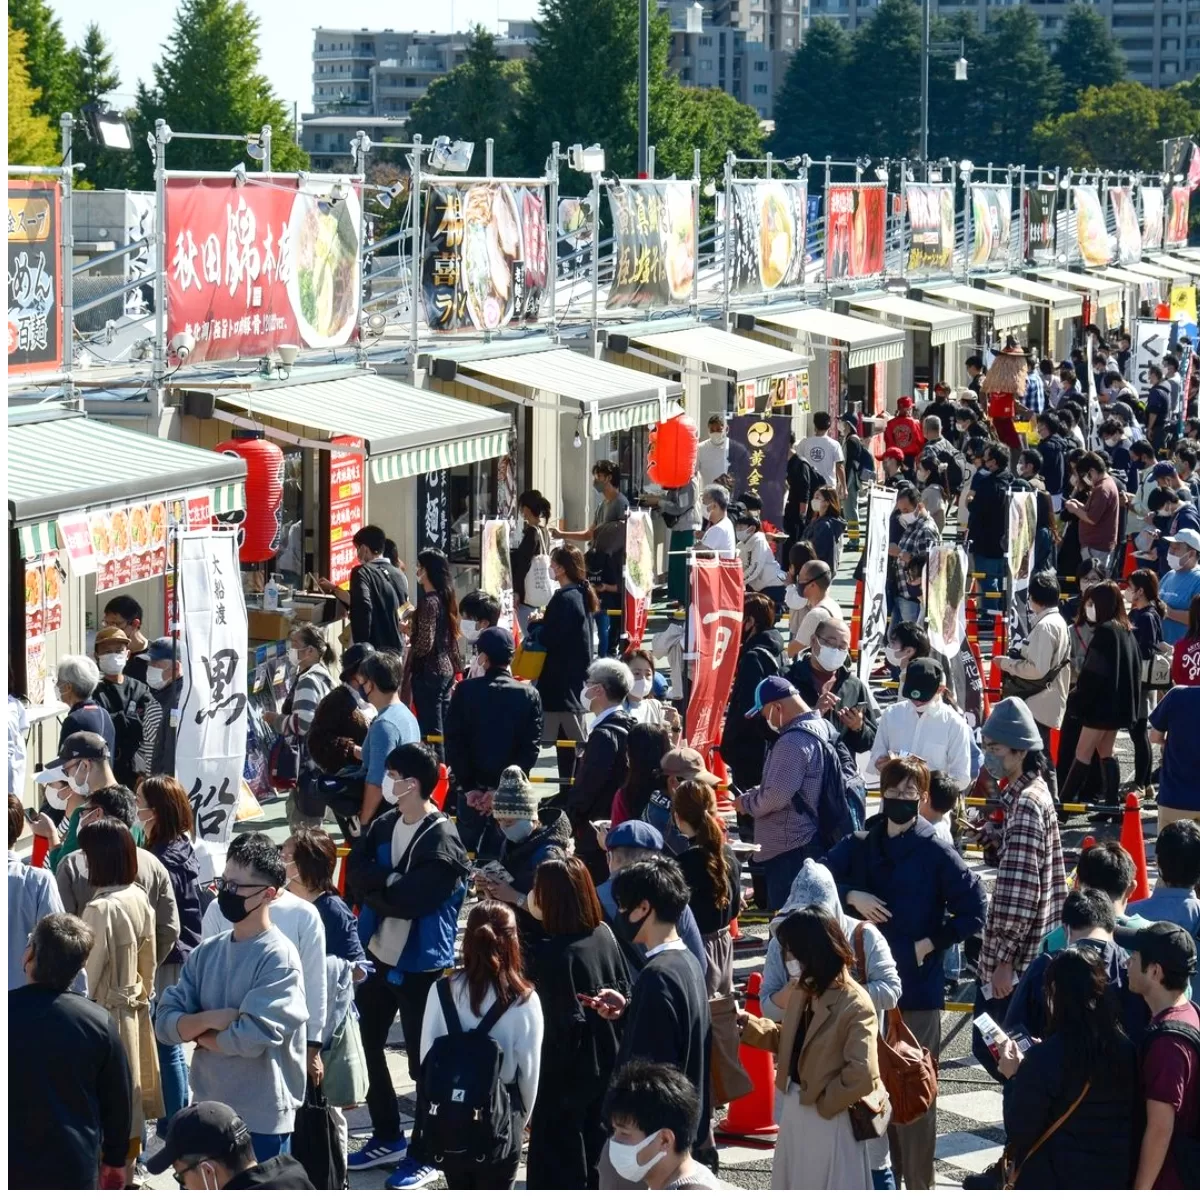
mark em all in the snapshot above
pixel 324 285
pixel 681 240
pixel 491 244
pixel 776 236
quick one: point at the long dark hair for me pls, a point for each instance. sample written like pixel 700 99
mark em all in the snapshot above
pixel 1193 629
pixel 436 566
pixel 109 851
pixel 815 940
pixel 164 796
pixel 1081 1010
pixel 492 955
pixel 570 560
pixel 696 803
pixel 1106 596
pixel 647 744
pixel 833 506
pixel 1147 581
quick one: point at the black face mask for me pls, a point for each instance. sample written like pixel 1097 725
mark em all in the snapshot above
pixel 626 927
pixel 233 905
pixel 900 812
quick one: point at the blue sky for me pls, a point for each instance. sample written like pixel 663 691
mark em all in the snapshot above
pixel 137 29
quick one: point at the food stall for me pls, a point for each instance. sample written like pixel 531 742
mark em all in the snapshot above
pixel 1103 299
pixel 1139 292
pixel 1058 308
pixel 933 336
pixel 996 316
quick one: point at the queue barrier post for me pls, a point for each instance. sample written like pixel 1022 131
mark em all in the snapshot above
pixel 753 1115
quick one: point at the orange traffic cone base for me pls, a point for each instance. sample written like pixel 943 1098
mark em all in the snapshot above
pixel 1133 838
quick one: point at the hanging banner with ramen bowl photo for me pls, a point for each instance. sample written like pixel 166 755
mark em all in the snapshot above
pixel 654 244
pixel 255 267
pixel 767 238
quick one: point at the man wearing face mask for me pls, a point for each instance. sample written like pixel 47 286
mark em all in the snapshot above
pixel 813 582
pixel 411 870
pixel 127 702
pixel 75 685
pixel 493 722
pixel 376 593
pixel 478 610
pixel 241 1001
pixel 164 678
pixel 1181 582
pixel 379 678
pixel 712 459
pixel 920 536
pixel 82 767
pixel 828 685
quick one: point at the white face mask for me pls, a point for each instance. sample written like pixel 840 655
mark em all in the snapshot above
pixel 906 519
pixel 1089 611
pixel 717 439
pixel 293 656
pixel 642 688
pixel 894 657
pixel 470 630
pixel 113 664
pixel 831 657
pixel 624 1158
pixel 389 789
pixel 1174 561
pixel 793 599
pixel 79 782
pixel 156 677
pixel 585 697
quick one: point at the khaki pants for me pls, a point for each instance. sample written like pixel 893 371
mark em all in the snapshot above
pixel 913 1145
pixel 1168 816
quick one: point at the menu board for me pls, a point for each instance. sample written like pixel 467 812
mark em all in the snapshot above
pixel 346 501
pixel 43 595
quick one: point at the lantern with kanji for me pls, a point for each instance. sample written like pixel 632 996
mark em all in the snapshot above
pixel 262 525
pixel 671 457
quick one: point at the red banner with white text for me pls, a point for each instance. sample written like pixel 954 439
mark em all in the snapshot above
pixel 715 622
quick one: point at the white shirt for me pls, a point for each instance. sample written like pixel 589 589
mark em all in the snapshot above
pixel 645 712
pixel 827 610
pixel 300 923
pixel 760 567
pixel 720 537
pixel 822 453
pixel 938 735
pixel 18 726
pixel 712 461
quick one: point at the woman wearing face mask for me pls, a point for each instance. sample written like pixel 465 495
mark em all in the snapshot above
pixel 744 743
pixel 1107 692
pixel 826 527
pixel 645 793
pixel 128 702
pixel 826 1059
pixel 165 814
pixel 1146 612
pixel 491 973
pixel 433 658
pixel 566 636
pixel 312 656
pixel 535 541
pixel 760 568
pixel 121 965
pixel 641 706
pixel 935 488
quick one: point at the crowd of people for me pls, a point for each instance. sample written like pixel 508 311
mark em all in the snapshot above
pixel 588 1023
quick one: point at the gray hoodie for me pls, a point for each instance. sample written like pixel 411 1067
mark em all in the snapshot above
pixel 814 886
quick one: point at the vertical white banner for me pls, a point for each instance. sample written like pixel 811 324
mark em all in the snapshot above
pixel 946 598
pixel 210 743
pixel 495 570
pixel 880 503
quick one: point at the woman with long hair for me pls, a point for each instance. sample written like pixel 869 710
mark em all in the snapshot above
pixel 492 973
pixel 1146 613
pixel 566 636
pixel 535 540
pixel 579 1047
pixel 1084 1046
pixel 167 830
pixel 714 876
pixel 826 526
pixel 1107 692
pixel 644 794
pixel 826 1059
pixel 433 656
pixel 120 967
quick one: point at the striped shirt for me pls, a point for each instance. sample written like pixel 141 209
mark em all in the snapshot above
pixel 1035 393
pixel 793 765
pixel 311 688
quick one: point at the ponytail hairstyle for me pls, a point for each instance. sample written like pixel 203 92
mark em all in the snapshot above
pixel 696 804
pixel 312 637
pixel 1147 581
pixel 570 560
pixel 937 474
pixel 492 956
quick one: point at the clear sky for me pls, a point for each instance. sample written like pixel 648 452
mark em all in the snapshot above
pixel 137 30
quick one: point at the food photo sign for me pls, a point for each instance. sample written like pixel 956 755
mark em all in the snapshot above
pixel 655 244
pixel 254 267
pixel 767 235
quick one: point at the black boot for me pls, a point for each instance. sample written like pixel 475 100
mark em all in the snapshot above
pixel 1112 781
pixel 1076 777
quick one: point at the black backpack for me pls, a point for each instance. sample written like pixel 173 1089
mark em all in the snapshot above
pixel 467 1116
pixel 129 726
pixel 1185 1143
pixel 834 814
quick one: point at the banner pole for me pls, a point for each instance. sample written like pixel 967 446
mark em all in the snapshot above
pixel 725 224
pixel 414 270
pixel 552 238
pixel 828 173
pixel 66 239
pixel 695 302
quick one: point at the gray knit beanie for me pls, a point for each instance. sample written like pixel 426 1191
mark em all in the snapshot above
pixel 514 796
pixel 1012 724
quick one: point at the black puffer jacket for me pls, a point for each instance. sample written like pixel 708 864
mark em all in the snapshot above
pixel 566 636
pixel 179 860
pixel 550 839
pixel 744 744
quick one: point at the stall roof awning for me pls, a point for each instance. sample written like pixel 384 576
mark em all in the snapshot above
pixel 1187 252
pixel 1161 273
pixel 1005 312
pixel 615 397
pixel 63 462
pixel 742 357
pixel 1123 276
pixel 942 325
pixel 1180 265
pixel 405 431
pixel 867 341
pixel 1062 304
pixel 1104 292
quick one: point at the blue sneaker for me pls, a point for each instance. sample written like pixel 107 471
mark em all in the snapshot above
pixel 377 1153
pixel 409 1176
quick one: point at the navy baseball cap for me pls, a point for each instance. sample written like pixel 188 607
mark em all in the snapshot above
pixel 773 688
pixel 163 649
pixel 1162 470
pixel 634 833
pixel 81 744
pixel 497 644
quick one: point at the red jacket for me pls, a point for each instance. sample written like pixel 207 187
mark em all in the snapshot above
pixel 905 434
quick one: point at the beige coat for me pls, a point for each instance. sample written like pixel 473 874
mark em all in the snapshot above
pixel 120 973
pixel 839 1061
pixel 1049 643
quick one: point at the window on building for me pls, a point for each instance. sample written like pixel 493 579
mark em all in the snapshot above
pixel 1170 67
pixel 1133 45
pixel 760 89
pixel 410 81
pixel 1133 21
pixel 760 66
pixel 1170 21
pixel 1170 44
pixel 706 40
pixel 706 64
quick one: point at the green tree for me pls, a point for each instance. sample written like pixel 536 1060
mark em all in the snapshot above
pixel 956 108
pixel 813 113
pixel 712 121
pixel 93 77
pixel 473 102
pixel 1118 128
pixel 208 81
pixel 49 60
pixel 1086 55
pixel 884 100
pixel 32 141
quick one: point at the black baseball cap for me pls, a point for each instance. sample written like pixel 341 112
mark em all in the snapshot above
pixel 1169 945
pixel 922 678
pixel 497 644
pixel 209 1129
pixel 353 658
pixel 80 745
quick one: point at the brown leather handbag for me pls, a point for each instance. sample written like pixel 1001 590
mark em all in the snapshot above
pixel 908 1071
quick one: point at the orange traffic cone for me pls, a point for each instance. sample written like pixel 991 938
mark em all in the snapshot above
pixel 856 618
pixel 987 698
pixel 442 788
pixel 1055 738
pixel 1134 840
pixel 1130 564
pixel 999 636
pixel 753 1115
pixel 972 619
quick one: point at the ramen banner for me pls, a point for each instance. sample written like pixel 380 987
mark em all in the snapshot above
pixel 767 241
pixel 855 228
pixel 1129 231
pixel 1041 210
pixel 1091 234
pixel 991 224
pixel 485 261
pixel 930 209
pixel 946 598
pixel 1022 537
pixel 654 244
pixel 880 503
pixel 639 573
pixel 253 268
pixel 34 277
pixel 495 570
pixel 1152 218
pixel 1177 218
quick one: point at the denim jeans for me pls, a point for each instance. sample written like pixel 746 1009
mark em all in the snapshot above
pixel 992 570
pixel 907 610
pixel 172 1066
pixel 883 1180
pixel 270 1145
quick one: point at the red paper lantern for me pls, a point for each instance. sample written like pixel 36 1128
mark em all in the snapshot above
pixel 671 458
pixel 262 526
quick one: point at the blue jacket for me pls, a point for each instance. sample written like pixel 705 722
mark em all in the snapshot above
pixel 928 889
pixel 429 892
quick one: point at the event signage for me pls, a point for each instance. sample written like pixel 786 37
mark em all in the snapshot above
pixel 495 570
pixel 433 510
pixel 1151 340
pixel 485 262
pixel 946 598
pixel 767 241
pixel 654 244
pixel 1022 536
pixel 715 637
pixel 1177 218
pixel 1152 218
pixel 758 454
pixel 1129 231
pixel 991 224
pixel 930 209
pixel 880 503
pixel 35 305
pixel 1041 211
pixel 346 501
pixel 639 573
pixel 210 739
pixel 255 267
pixel 1091 235
pixel 855 230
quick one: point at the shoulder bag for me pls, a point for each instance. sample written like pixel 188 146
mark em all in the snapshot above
pixel 1023 689
pixel 1011 1171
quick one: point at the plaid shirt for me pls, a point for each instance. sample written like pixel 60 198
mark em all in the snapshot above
pixel 918 539
pixel 1035 393
pixel 793 765
pixel 1031 884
